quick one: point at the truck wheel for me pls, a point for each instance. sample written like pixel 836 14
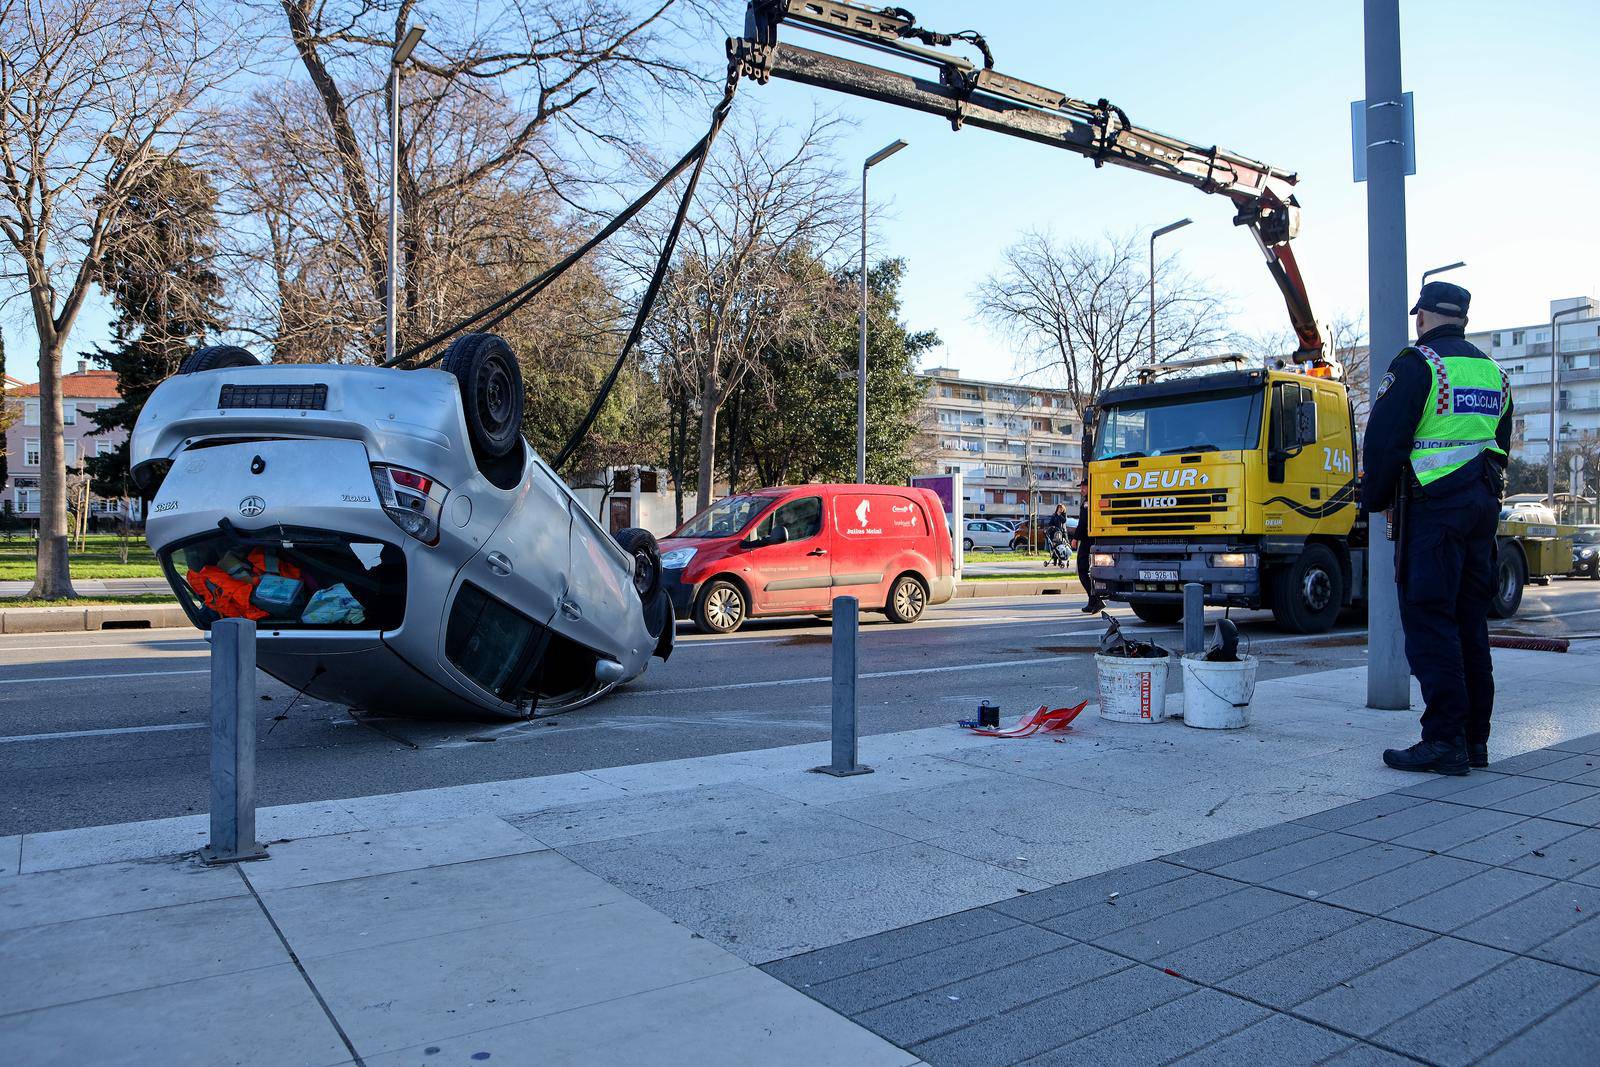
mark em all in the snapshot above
pixel 907 600
pixel 1308 595
pixel 490 381
pixel 641 545
pixel 1157 613
pixel 216 357
pixel 1510 575
pixel 721 608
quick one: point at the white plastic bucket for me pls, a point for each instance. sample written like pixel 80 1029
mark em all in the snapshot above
pixel 1216 695
pixel 1133 690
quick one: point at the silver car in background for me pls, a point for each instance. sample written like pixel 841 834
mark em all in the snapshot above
pixel 400 546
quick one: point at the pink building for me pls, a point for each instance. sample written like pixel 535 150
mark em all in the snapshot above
pixel 81 392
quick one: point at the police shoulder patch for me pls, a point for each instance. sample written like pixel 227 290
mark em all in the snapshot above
pixel 1383 386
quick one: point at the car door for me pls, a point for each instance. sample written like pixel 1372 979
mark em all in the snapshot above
pixel 789 558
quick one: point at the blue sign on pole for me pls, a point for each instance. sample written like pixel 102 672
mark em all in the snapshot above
pixel 1358 134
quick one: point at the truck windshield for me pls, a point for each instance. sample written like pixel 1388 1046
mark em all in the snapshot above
pixel 1210 422
pixel 724 518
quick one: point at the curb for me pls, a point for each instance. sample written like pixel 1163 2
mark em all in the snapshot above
pixel 91 617
pixel 972 590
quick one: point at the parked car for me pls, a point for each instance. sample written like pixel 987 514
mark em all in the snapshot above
pixel 1526 512
pixel 790 550
pixel 397 542
pixel 986 533
pixel 1032 533
pixel 1586 552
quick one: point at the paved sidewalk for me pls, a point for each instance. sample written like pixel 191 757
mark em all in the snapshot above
pixel 614 916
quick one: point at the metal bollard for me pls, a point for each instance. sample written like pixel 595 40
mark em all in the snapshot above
pixel 1194 618
pixel 233 743
pixel 846 632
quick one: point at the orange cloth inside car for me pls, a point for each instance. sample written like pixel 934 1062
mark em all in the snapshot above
pixel 227 591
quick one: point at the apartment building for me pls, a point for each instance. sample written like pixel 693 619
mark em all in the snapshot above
pixel 82 392
pixel 1524 353
pixel 1018 447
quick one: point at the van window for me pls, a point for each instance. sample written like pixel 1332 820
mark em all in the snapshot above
pixel 879 515
pixel 801 518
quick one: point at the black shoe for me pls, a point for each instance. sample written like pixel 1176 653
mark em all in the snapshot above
pixel 1094 607
pixel 1478 754
pixel 1439 757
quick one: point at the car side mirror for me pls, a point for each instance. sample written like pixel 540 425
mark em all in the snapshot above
pixel 778 536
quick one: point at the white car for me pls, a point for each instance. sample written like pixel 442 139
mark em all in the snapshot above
pixel 399 545
pixel 987 533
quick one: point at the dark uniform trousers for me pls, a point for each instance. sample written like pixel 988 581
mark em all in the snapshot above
pixel 1448 578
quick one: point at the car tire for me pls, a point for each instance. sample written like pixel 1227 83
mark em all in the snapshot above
pixel 1157 612
pixel 1510 578
pixel 907 600
pixel 1308 595
pixel 721 609
pixel 641 545
pixel 216 357
pixel 490 380
pixel 966 544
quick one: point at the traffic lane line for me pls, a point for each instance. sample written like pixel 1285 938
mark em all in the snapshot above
pixel 163 644
pixel 65 735
pixel 97 677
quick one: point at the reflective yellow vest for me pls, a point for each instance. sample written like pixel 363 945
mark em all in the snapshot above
pixel 1460 417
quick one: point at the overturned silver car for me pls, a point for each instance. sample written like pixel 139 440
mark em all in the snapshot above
pixel 399 545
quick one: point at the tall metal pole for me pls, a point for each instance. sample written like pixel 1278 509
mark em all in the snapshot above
pixel 1180 224
pixel 1388 682
pixel 1555 414
pixel 861 355
pixel 402 52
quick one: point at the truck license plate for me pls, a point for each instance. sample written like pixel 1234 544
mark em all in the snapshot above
pixel 1158 576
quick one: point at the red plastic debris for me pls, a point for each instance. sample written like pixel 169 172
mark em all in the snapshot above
pixel 1044 720
pixel 1169 970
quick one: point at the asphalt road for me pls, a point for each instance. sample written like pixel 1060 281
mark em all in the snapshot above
pixel 109 726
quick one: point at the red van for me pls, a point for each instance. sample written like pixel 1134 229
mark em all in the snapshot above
pixel 792 549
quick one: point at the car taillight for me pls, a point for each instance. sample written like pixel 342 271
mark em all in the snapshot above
pixel 412 500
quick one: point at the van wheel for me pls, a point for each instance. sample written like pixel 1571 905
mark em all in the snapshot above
pixel 721 608
pixel 490 381
pixel 1510 576
pixel 641 545
pixel 907 600
pixel 1156 612
pixel 1308 595
pixel 216 357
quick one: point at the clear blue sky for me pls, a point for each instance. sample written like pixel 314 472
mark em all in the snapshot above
pixel 1507 154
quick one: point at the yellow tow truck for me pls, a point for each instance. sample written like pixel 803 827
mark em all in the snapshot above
pixel 1245 481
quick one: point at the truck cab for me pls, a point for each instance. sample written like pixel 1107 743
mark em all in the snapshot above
pixel 1242 480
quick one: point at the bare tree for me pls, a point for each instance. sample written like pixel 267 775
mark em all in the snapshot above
pixel 93 93
pixel 1079 311
pixel 771 208
pixel 1347 340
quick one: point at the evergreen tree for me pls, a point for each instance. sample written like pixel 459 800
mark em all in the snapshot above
pixel 158 271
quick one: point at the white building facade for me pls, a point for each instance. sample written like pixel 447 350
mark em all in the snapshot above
pixel 1524 352
pixel 1018 447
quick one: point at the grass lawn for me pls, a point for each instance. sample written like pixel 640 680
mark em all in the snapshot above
pixel 87 601
pixel 985 555
pixel 1023 576
pixel 101 558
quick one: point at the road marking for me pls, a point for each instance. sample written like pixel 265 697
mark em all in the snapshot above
pixel 103 733
pixel 815 679
pixel 96 677
pixel 98 647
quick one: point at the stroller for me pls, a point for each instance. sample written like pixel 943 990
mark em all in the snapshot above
pixel 1060 552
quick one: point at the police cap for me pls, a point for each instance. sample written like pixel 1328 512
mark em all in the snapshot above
pixel 1444 298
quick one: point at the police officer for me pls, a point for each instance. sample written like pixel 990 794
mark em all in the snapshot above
pixel 1080 543
pixel 1435 452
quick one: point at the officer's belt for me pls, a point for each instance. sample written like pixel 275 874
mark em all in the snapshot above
pixel 1453 454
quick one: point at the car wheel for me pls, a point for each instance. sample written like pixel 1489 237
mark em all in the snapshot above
pixel 490 381
pixel 1156 612
pixel 641 545
pixel 966 544
pixel 907 600
pixel 216 357
pixel 721 608
pixel 1511 575
pixel 1308 595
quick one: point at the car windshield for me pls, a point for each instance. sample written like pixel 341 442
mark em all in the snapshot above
pixel 724 518
pixel 1587 535
pixel 1210 422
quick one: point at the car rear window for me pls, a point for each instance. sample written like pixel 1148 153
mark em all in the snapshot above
pixel 291 578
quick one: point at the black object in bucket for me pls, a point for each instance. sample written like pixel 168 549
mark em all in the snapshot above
pixel 988 716
pixel 1116 643
pixel 1226 648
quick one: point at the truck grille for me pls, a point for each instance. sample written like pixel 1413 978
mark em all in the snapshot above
pixel 1182 510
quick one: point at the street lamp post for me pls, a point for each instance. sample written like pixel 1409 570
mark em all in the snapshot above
pixel 402 52
pixel 1440 270
pixel 1180 224
pixel 861 355
pixel 1555 396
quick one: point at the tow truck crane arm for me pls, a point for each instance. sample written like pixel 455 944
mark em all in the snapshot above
pixel 969 94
